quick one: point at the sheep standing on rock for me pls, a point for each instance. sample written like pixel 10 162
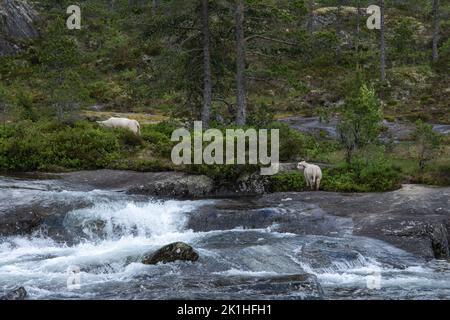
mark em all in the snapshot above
pixel 313 174
pixel 124 123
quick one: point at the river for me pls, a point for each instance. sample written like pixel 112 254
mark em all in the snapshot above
pixel 102 234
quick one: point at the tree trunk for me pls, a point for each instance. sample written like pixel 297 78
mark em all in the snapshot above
pixel 338 30
pixel 382 45
pixel 154 7
pixel 436 22
pixel 207 83
pixel 240 64
pixel 358 25
pixel 311 16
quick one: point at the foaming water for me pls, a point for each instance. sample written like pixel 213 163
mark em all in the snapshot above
pixel 110 235
pixel 123 219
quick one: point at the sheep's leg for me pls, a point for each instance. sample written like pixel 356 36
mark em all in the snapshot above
pixel 318 184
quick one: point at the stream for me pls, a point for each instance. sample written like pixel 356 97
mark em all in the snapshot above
pixel 102 234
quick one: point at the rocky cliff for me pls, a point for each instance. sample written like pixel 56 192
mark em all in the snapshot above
pixel 17 18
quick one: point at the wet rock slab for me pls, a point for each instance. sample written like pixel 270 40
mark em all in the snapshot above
pixel 415 218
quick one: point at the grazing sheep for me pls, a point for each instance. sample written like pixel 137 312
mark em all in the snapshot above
pixel 125 123
pixel 313 174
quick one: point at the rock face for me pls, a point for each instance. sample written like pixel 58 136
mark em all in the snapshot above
pixel 246 185
pixel 177 251
pixel 176 185
pixel 16 294
pixel 166 184
pixel 17 19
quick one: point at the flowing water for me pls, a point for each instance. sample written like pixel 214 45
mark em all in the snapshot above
pixel 101 236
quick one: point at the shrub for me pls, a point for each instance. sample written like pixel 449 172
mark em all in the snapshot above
pixel 427 143
pixel 158 135
pixel 128 138
pixel 360 120
pixel 45 144
pixel 287 181
pixel 292 142
pixel 362 175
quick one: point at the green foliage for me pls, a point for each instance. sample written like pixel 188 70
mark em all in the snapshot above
pixel 58 50
pixel 261 116
pixel 362 175
pixel 427 143
pixel 360 120
pixel 287 181
pixel 403 41
pixel 159 135
pixel 293 143
pixel 36 146
pixel 437 175
pixel 128 138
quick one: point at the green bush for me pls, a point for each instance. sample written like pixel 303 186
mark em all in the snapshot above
pixel 362 175
pixel 287 181
pixel 45 144
pixel 293 144
pixel 128 138
pixel 158 135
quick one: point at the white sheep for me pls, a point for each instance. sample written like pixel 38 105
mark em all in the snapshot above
pixel 313 174
pixel 124 123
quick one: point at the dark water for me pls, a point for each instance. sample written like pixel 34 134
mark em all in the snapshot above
pixel 103 234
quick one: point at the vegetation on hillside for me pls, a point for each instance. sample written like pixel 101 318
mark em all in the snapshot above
pixel 226 62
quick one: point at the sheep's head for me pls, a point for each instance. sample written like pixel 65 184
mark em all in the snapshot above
pixel 301 165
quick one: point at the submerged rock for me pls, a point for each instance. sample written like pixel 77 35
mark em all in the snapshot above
pixel 305 286
pixel 16 294
pixel 177 251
